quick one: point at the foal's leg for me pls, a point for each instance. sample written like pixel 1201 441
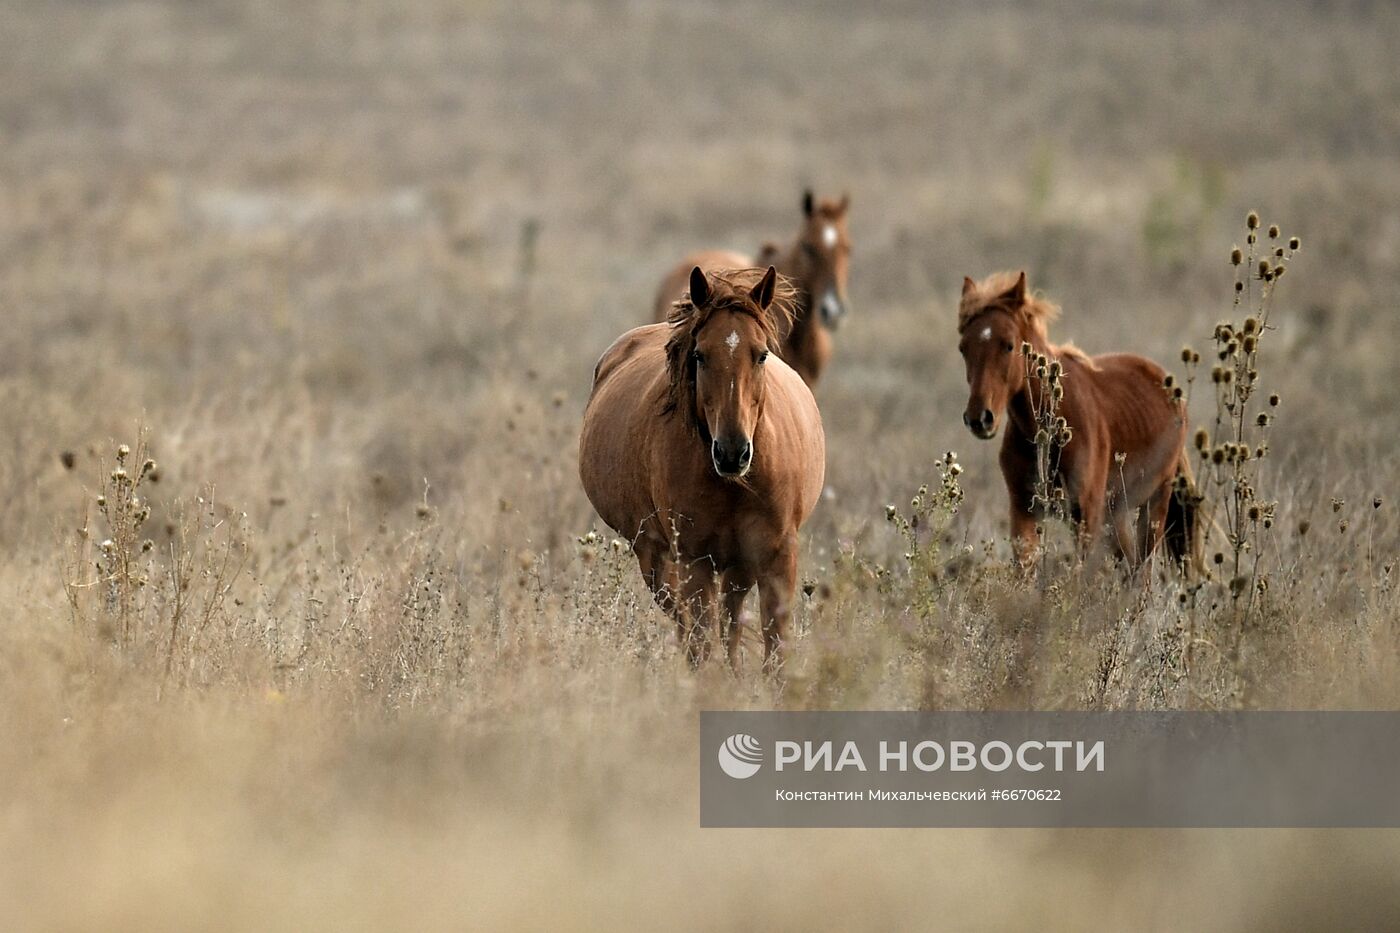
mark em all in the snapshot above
pixel 1125 543
pixel 735 588
pixel 1025 539
pixel 1152 521
pixel 1091 521
pixel 776 590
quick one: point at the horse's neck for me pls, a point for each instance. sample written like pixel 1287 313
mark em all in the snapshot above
pixel 1021 407
pixel 1021 412
pixel 793 264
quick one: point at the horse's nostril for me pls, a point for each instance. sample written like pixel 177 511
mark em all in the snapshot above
pixel 986 418
pixel 746 454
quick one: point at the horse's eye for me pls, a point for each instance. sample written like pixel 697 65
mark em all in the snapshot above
pixel 763 357
pixel 1007 347
pixel 698 357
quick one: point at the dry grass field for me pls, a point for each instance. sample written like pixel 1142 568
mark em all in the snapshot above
pixel 350 659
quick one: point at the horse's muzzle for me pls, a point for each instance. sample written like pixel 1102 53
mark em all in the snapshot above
pixel 983 425
pixel 832 310
pixel 732 457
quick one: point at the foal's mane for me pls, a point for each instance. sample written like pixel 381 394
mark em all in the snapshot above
pixel 729 291
pixel 1034 315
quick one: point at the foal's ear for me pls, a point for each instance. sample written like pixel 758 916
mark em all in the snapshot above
pixel 1016 294
pixel 809 203
pixel 762 293
pixel 699 288
pixel 845 202
pixel 968 286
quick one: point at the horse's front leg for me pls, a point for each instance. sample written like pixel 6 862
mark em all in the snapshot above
pixel 776 590
pixel 736 589
pixel 659 576
pixel 696 618
pixel 1025 535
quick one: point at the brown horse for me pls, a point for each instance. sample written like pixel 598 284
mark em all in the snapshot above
pixel 1126 445
pixel 708 454
pixel 816 262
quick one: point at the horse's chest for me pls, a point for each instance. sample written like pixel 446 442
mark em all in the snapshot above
pixel 722 538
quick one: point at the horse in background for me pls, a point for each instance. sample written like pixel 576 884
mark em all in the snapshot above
pixel 1127 435
pixel 705 450
pixel 817 262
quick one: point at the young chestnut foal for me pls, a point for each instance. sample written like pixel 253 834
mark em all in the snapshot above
pixel 1127 433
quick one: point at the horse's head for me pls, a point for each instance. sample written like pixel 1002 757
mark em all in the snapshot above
pixel 993 321
pixel 723 335
pixel 824 252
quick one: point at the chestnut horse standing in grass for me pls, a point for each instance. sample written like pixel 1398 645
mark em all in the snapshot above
pixel 1127 434
pixel 705 450
pixel 817 263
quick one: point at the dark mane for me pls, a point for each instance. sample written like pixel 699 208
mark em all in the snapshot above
pixel 729 291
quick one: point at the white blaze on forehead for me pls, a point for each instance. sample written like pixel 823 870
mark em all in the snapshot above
pixel 986 333
pixel 732 341
pixel 829 235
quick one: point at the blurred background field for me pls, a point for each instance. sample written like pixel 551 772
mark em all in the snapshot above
pixel 350 266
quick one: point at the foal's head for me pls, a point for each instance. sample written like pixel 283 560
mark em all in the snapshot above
pixel 824 254
pixel 723 334
pixel 995 317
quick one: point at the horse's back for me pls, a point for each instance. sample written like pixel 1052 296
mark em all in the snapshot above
pixel 677 281
pixel 628 383
pixel 1133 383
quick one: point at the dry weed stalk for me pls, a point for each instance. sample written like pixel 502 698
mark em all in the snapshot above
pixel 152 601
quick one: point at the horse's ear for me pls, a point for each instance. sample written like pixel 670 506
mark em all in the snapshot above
pixel 968 286
pixel 762 293
pixel 699 288
pixel 845 202
pixel 809 203
pixel 1016 294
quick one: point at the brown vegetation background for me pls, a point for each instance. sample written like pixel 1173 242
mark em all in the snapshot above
pixel 350 265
